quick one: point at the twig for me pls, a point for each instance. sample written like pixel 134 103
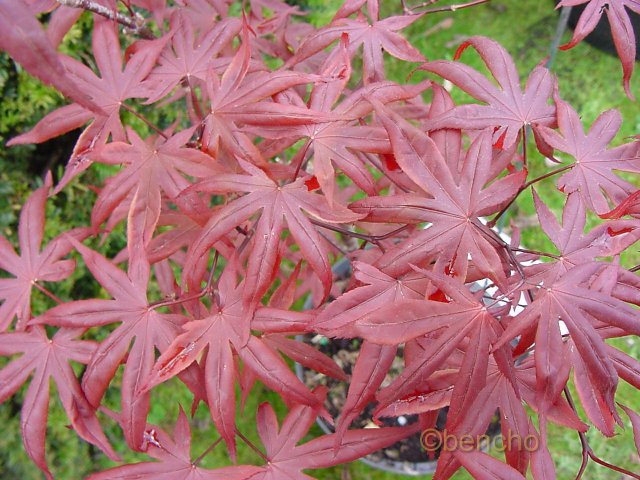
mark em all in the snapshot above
pixel 134 25
pixel 448 8
pixel 587 451
pixel 561 27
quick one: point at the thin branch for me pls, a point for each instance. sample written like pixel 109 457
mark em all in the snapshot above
pixel 547 175
pixel 635 269
pixel 587 451
pixel 134 25
pixel 535 252
pixel 448 8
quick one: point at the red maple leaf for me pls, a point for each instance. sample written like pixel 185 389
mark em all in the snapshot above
pixel 142 330
pixel 452 208
pixel 508 108
pixel 48 359
pixel 621 28
pixel 174 459
pixel 276 203
pixel 32 265
pixel 223 332
pixel 108 92
pixel 592 174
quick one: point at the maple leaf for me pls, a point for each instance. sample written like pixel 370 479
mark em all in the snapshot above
pixel 174 459
pixel 32 265
pixel 450 323
pixel 453 210
pixel 375 38
pixel 343 142
pixel 141 326
pixel 621 29
pixel 582 309
pixel 44 360
pixel 151 167
pixel 592 174
pixel 508 108
pixel 108 92
pixel 222 333
pixel 236 99
pixel 287 460
pixel 28 45
pixel 275 203
pixel 629 206
pixel 188 58
pixel 574 246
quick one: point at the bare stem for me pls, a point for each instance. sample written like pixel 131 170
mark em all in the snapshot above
pixel 448 8
pixel 135 25
pixel 535 252
pixel 587 451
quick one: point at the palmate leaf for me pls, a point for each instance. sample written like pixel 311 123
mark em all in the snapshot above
pixel 570 300
pixel 452 207
pixel 142 330
pixel 375 38
pixel 276 203
pixel 108 92
pixel 447 323
pixel 151 168
pixel 173 455
pixel 44 360
pixel 286 459
pixel 592 174
pixel 33 264
pixel 621 29
pixel 507 108
pixel 237 98
pixel 223 333
pixel 576 247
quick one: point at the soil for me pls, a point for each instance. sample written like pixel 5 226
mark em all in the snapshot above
pixel 345 352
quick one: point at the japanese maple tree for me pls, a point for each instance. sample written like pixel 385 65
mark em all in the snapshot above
pixel 293 151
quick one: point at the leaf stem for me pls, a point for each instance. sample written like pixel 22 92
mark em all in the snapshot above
pixel 251 445
pixel 147 122
pixel 495 219
pixel 47 293
pixel 197 461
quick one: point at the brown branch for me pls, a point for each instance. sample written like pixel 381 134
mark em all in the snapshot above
pixel 587 451
pixel 448 8
pixel 134 25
